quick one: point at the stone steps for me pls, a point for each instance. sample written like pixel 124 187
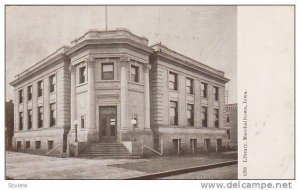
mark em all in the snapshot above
pixel 108 150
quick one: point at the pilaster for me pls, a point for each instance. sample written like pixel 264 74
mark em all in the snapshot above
pixel 124 62
pixel 73 95
pixel 147 67
pixel 91 116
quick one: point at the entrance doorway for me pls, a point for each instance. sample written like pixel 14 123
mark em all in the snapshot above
pixel 108 123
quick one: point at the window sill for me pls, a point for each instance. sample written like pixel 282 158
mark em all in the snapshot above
pixel 107 80
pixel 81 84
pixel 190 94
pixel 172 90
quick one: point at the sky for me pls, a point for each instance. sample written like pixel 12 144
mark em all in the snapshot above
pixel 207 34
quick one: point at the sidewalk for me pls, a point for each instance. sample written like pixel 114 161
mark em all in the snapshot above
pixel 28 166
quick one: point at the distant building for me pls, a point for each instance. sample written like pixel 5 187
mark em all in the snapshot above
pixel 231 123
pixel 111 87
pixel 9 124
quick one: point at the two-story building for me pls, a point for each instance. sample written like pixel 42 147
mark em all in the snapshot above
pixel 112 88
pixel 187 102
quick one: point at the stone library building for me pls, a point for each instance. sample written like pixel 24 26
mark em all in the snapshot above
pixel 110 94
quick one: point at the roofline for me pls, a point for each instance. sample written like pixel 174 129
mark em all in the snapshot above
pixel 194 67
pixel 184 56
pixel 37 67
pixel 61 50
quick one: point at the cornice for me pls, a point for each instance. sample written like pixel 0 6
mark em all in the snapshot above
pixel 41 65
pixel 183 63
pixel 109 42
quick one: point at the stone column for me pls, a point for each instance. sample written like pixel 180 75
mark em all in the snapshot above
pixel 124 62
pixel 25 109
pixel 147 67
pixel 34 106
pixel 16 112
pixel 182 121
pixel 73 95
pixel 91 116
pixel 197 105
pixel 221 106
pixel 210 106
pixel 46 96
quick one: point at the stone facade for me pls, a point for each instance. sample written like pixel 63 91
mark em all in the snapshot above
pixel 191 136
pixel 110 86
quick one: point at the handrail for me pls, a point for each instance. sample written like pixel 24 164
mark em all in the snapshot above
pixel 53 150
pixel 153 150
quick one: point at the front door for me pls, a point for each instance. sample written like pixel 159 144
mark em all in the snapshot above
pixel 108 123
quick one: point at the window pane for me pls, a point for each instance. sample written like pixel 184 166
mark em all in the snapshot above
pixel 107 67
pixel 133 70
pixel 108 75
pixel 172 77
pixel 172 112
pixel 188 82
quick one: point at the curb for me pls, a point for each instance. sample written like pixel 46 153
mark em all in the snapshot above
pixel 183 171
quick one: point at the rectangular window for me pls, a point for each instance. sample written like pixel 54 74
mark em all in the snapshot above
pixel 40 117
pixel 134 72
pixel 40 88
pixel 21 121
pixel 29 119
pixel 216 93
pixel 173 79
pixel 203 90
pixel 189 86
pixel 219 144
pixel 207 144
pixel 177 146
pixel 173 112
pixel 27 144
pixel 19 144
pixel 82 74
pixel 107 71
pixel 193 145
pixel 20 96
pixel 52 115
pixel 37 144
pixel 190 114
pixel 82 122
pixel 29 93
pixel 52 82
pixel 204 116
pixel 50 145
pixel 216 118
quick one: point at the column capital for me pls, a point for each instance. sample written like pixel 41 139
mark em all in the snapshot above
pixel 147 67
pixel 124 60
pixel 71 67
pixel 90 60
